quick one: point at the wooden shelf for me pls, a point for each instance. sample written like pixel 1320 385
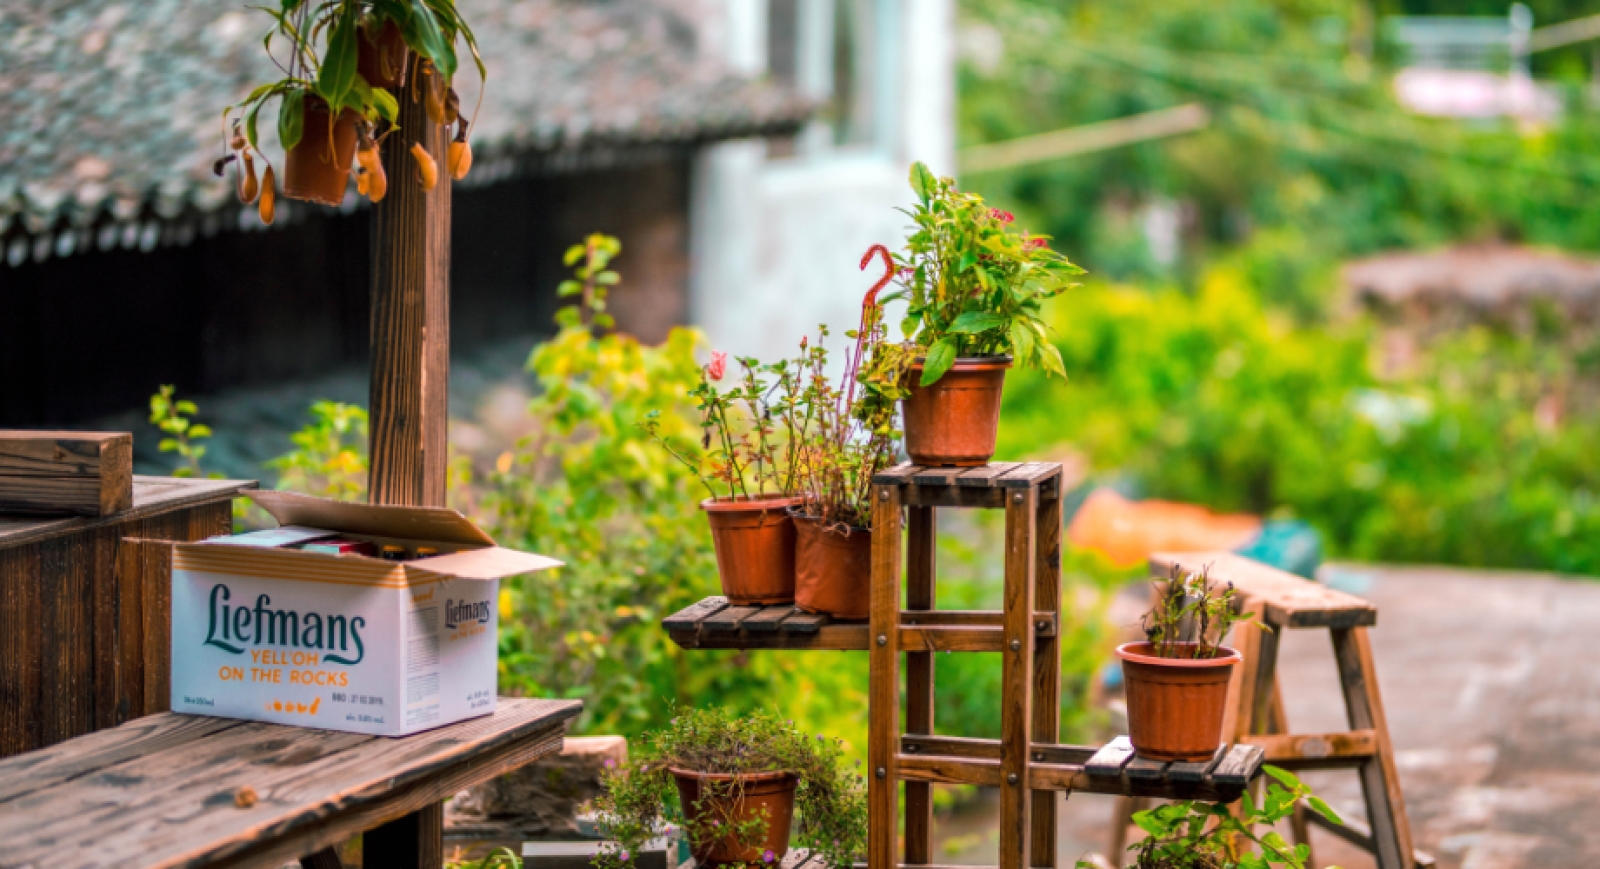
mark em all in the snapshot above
pixel 984 487
pixel 715 624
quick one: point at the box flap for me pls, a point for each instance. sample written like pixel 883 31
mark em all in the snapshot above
pixel 437 524
pixel 272 538
pixel 491 563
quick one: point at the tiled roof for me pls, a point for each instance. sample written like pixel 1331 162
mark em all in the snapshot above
pixel 115 107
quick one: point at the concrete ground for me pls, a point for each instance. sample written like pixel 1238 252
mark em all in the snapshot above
pixel 1492 689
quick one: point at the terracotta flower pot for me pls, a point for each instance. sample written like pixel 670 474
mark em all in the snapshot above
pixel 833 570
pixel 1175 705
pixel 381 60
pixel 317 168
pixel 755 544
pixel 730 800
pixel 954 421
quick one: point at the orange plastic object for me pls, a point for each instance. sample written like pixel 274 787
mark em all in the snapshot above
pixel 954 422
pixel 1126 532
pixel 1175 705
pixel 754 540
pixel 833 570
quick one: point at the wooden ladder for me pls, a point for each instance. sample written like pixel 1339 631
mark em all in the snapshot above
pixel 1283 601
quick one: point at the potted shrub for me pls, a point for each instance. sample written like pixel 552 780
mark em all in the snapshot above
pixel 975 288
pixel 749 472
pixel 1177 679
pixel 345 62
pixel 1196 835
pixel 731 784
pixel 845 440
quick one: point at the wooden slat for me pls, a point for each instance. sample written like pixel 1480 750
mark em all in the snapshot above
pixel 953 496
pixel 1380 781
pixel 1185 771
pixel 950 770
pixel 1047 669
pixel 941 476
pixel 766 620
pixel 1317 750
pixel 1110 760
pixel 1238 766
pixel 1017 679
pixel 690 617
pixel 1029 474
pixel 1290 601
pixel 898 475
pixel 802 622
pixel 66 762
pixel 984 477
pixel 1145 769
pixel 176 807
pixel 728 619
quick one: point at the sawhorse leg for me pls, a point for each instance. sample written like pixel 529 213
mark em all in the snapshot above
pixel 1380 782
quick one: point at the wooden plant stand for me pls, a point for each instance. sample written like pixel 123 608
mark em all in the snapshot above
pixel 1026 764
pixel 1283 602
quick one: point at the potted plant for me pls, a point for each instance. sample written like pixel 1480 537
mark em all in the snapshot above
pixel 844 441
pixel 337 99
pixel 731 783
pixel 749 472
pixel 1196 835
pixel 1177 679
pixel 975 289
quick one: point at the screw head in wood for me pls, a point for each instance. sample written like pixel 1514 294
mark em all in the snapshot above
pixel 883 639
pixel 883 494
pixel 1015 645
pixel 882 773
pixel 1041 626
pixel 1017 498
pixel 1011 779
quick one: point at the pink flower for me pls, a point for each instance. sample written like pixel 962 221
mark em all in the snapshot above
pixel 768 856
pixel 718 366
pixel 1002 216
pixel 1036 243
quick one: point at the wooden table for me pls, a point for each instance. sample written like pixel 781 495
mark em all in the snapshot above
pixel 187 791
pixel 84 616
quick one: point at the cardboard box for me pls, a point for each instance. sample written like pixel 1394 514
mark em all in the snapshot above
pixel 266 632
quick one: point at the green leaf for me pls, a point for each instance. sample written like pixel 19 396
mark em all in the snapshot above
pixel 339 64
pixel 569 288
pixel 1282 775
pixel 1050 359
pixel 923 182
pixel 291 118
pixel 1325 810
pixel 1022 343
pixel 250 125
pixel 388 107
pixel 973 322
pixel 572 255
pixel 427 40
pixel 941 356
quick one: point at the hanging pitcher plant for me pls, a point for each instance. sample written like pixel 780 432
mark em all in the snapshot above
pixel 347 64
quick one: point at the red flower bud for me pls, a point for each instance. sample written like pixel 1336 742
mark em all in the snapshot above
pixel 718 366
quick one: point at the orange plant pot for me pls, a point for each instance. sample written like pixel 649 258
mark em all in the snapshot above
pixel 381 59
pixel 833 570
pixel 1175 705
pixel 769 794
pixel 317 168
pixel 954 421
pixel 755 543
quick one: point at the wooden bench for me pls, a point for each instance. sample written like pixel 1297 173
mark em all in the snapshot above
pixel 187 791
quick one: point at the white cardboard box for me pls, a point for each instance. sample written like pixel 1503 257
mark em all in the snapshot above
pixel 341 642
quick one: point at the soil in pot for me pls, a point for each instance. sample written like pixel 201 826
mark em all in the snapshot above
pixel 381 56
pixel 755 543
pixel 954 421
pixel 1175 705
pixel 833 570
pixel 732 800
pixel 317 168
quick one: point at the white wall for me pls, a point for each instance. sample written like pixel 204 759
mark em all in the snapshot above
pixel 776 241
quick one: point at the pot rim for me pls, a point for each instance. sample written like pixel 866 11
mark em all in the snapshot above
pixel 770 775
pixel 854 529
pixel 971 363
pixel 1127 652
pixel 757 504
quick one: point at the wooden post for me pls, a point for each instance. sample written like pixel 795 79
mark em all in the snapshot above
pixel 411 319
pixel 883 702
pixel 1047 669
pixel 410 383
pixel 1016 678
pixel 921 544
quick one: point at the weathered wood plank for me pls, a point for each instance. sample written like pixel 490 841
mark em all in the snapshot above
pixel 20 650
pixel 940 476
pixel 1029 474
pixel 1290 601
pixel 691 616
pixel 67 761
pixel 304 782
pixel 1111 758
pixel 767 619
pixel 984 477
pixel 1187 771
pixel 1238 766
pixel 1017 678
pixel 1380 780
pixel 883 686
pixel 728 619
pixel 151 496
pixel 952 496
pixel 56 472
pixel 802 622
pixel 1145 769
pixel 1047 668
pixel 1317 750
pixel 898 475
pixel 921 550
